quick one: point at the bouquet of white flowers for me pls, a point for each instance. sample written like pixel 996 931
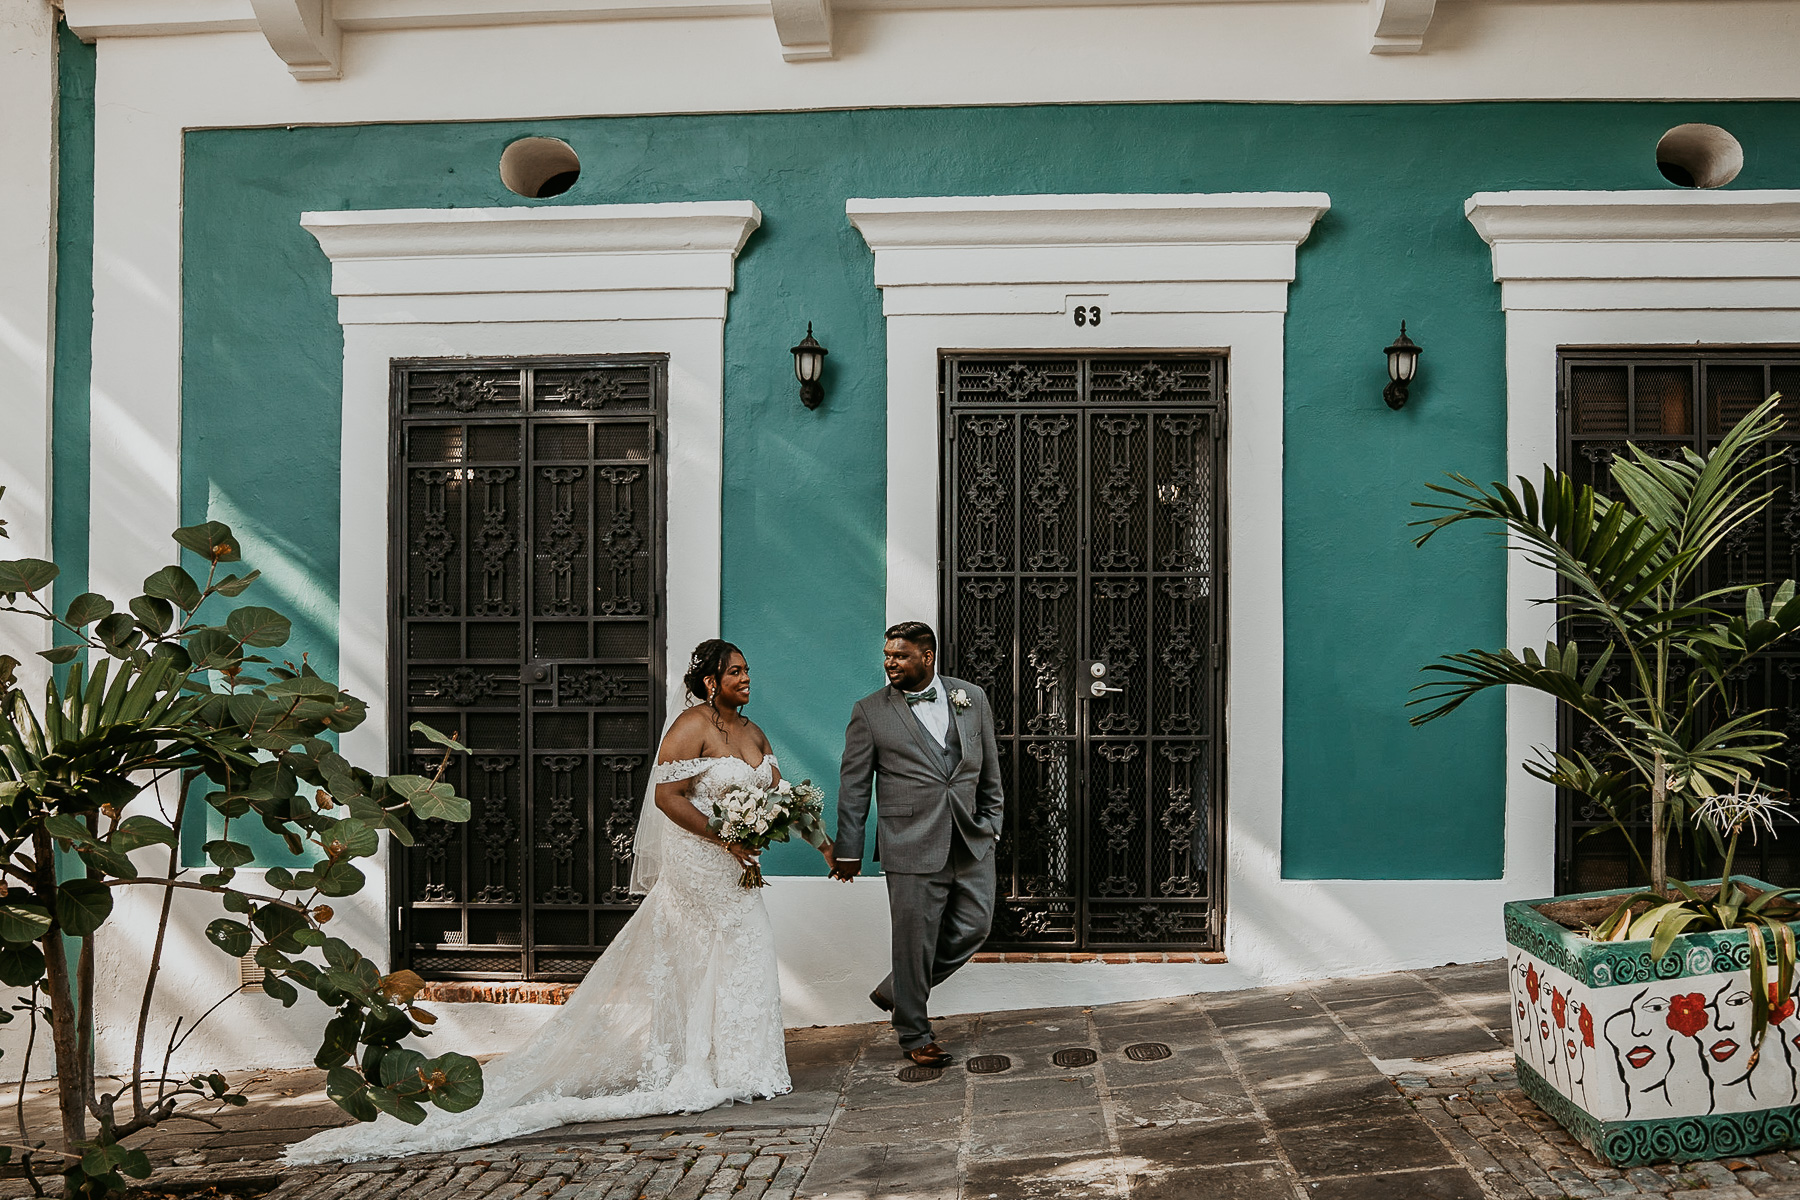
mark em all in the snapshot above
pixel 754 817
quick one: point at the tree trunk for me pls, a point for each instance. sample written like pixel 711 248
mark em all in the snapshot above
pixel 65 1017
pixel 1659 834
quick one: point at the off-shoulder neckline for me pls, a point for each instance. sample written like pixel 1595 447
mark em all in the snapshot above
pixel 677 762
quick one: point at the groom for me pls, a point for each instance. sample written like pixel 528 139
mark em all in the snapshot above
pixel 930 740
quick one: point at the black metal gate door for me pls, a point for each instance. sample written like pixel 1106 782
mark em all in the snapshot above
pixel 1084 520
pixel 527 582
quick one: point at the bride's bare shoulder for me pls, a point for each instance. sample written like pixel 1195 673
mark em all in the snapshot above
pixel 686 737
pixel 762 739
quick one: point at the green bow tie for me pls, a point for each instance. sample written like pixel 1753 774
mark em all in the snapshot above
pixel 924 697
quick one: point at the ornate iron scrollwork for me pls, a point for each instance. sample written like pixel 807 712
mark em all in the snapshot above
pixel 1081 523
pixel 528 528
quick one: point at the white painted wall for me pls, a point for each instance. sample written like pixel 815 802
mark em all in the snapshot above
pixel 726 56
pixel 27 295
pixel 152 88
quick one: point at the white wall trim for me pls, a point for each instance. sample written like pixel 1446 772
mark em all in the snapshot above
pixel 28 86
pixel 376 261
pixel 1194 272
pixel 1612 269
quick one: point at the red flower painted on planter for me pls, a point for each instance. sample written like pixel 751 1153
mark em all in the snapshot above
pixel 1531 982
pixel 1559 1008
pixel 1587 1026
pixel 1687 1014
pixel 1779 1010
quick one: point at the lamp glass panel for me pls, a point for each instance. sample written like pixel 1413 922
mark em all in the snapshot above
pixel 806 366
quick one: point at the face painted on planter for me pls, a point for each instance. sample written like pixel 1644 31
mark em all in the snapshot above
pixel 1726 1039
pixel 1578 1039
pixel 1528 986
pixel 1641 1042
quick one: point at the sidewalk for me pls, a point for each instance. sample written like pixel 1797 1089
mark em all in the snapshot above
pixel 1395 1086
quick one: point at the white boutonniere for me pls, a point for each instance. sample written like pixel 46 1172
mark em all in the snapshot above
pixel 960 698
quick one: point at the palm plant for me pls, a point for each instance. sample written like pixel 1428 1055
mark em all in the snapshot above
pixel 1669 727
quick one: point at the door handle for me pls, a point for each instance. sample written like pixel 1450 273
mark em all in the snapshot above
pixel 1099 690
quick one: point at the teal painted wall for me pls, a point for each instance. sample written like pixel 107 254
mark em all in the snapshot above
pixel 74 334
pixel 804 493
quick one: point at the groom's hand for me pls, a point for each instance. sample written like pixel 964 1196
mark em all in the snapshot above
pixel 845 872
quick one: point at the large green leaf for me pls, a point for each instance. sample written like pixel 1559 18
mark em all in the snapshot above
pixel 138 831
pixel 442 739
pixel 345 1088
pixel 211 540
pixel 341 878
pixel 20 923
pixel 154 614
pixel 339 1042
pixel 26 575
pixel 229 854
pixel 82 905
pixel 460 1087
pixel 233 937
pixel 213 649
pixel 87 608
pixel 396 1105
pixel 21 966
pixel 235 585
pixel 258 626
pixel 430 801
pixel 174 584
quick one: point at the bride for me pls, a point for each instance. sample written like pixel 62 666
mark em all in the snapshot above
pixel 683 1011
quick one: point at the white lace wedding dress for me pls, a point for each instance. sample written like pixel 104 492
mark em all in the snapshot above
pixel 682 1013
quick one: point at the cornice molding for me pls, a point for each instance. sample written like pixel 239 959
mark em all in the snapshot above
pixel 595 262
pixel 1501 217
pixel 1642 251
pixel 709 227
pixel 1037 254
pixel 1199 219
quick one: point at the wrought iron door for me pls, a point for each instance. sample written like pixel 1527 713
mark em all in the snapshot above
pixel 528 569
pixel 1084 519
pixel 1665 402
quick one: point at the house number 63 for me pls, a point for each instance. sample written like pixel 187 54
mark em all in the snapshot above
pixel 1087 314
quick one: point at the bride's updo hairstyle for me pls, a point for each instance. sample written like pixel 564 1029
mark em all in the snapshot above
pixel 711 657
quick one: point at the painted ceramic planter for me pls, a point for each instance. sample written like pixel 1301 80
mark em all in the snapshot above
pixel 1647 1060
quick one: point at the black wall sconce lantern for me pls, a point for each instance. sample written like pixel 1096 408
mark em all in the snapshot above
pixel 1403 363
pixel 809 364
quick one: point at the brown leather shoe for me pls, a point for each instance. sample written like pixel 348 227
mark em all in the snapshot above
pixel 880 1001
pixel 930 1055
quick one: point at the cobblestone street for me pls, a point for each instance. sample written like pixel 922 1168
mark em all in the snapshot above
pixel 1393 1086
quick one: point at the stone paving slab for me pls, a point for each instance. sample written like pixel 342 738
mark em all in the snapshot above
pixel 1394 1086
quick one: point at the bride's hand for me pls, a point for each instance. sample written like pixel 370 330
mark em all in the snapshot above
pixel 743 854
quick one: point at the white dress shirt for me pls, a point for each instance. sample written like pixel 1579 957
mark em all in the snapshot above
pixel 934 714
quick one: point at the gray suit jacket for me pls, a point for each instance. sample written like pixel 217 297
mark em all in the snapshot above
pixel 920 803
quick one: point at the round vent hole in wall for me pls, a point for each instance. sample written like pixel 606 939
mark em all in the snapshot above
pixel 1699 156
pixel 539 167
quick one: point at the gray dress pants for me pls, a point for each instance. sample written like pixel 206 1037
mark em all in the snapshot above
pixel 939 921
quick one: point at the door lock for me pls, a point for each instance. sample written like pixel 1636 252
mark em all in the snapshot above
pixel 1096 670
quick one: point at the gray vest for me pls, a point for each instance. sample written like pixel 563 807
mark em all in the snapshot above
pixel 951 750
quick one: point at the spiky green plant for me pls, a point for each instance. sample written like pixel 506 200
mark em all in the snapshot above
pixel 1670 732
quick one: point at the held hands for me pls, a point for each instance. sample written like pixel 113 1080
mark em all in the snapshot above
pixel 845 872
